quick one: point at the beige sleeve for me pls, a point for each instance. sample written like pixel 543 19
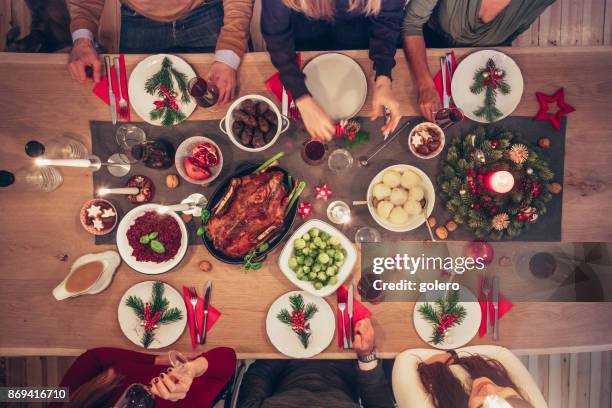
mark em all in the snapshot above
pixel 85 14
pixel 235 32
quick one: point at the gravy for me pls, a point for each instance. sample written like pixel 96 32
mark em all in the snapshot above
pixel 84 276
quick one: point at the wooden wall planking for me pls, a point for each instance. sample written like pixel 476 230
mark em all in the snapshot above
pixel 550 25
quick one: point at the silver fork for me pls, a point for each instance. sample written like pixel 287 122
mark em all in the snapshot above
pixel 193 299
pixel 342 307
pixel 123 108
pixel 486 290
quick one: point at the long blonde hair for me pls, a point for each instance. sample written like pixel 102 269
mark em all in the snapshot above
pixel 325 9
pixel 97 392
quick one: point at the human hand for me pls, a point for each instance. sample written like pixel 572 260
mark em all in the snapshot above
pixel 383 96
pixel 224 77
pixel 82 55
pixel 171 386
pixel 429 102
pixel 363 343
pixel 316 120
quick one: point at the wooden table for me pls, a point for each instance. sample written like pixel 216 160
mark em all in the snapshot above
pixel 40 101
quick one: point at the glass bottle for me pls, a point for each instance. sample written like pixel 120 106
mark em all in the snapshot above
pixel 32 179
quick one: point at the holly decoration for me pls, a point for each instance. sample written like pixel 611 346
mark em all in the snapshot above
pixel 298 317
pixel 491 79
pixel 486 213
pixel 304 209
pixel 161 84
pixel 322 191
pixel 563 109
pixel 153 313
pixel 443 314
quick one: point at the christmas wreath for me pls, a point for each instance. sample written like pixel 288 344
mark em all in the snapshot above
pixel 463 189
pixel 153 313
pixel 298 318
pixel 443 314
pixel 161 84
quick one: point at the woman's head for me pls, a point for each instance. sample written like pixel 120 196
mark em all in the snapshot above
pixel 325 9
pixel 491 385
pixel 97 392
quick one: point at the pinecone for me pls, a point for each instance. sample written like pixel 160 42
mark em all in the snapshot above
pixel 518 153
pixel 500 221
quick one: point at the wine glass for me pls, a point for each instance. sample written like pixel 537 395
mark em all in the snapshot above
pixel 181 364
pixel 136 396
pixel 130 140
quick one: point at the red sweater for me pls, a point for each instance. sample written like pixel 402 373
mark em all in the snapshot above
pixel 141 368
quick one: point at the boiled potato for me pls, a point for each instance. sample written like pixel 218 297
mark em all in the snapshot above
pixel 398 196
pixel 391 178
pixel 384 209
pixel 412 207
pixel 381 191
pixel 416 193
pixel 398 216
pixel 410 179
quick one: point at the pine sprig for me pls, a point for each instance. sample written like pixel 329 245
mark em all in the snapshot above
pixel 137 305
pixel 147 338
pixel 164 79
pixel 284 316
pixel 446 305
pixel 170 316
pixel 301 329
pixel 486 78
pixel 296 302
pixel 310 310
pixel 158 302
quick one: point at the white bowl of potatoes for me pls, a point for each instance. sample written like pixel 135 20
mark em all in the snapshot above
pixel 401 197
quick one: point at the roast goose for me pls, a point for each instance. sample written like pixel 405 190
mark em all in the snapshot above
pixel 252 208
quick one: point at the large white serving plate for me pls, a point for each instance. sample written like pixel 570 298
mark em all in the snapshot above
pixel 166 334
pixel 322 325
pixel 125 250
pixel 345 269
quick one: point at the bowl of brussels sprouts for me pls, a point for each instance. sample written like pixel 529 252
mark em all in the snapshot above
pixel 318 258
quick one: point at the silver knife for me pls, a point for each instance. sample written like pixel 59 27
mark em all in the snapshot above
pixel 495 308
pixel 445 97
pixel 207 293
pixel 449 68
pixel 111 94
pixel 350 315
pixel 285 103
pixel 387 114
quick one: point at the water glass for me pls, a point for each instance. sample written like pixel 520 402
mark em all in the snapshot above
pixel 340 160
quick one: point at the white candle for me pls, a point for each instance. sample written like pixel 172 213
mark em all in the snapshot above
pixel 125 190
pixel 64 162
pixel 178 207
pixel 499 181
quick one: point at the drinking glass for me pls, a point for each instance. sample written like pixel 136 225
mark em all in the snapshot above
pixel 313 152
pixel 367 234
pixel 131 140
pixel 339 212
pixel 181 364
pixel 205 93
pixel 340 160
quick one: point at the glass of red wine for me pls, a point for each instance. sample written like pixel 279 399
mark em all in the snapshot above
pixel 313 151
pixel 205 93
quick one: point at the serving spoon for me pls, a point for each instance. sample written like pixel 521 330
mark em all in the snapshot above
pixel 363 161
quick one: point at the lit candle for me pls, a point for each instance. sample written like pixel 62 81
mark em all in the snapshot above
pixel 125 190
pixel 64 162
pixel 178 207
pixel 499 181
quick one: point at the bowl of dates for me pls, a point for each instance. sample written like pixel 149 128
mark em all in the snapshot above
pixel 426 140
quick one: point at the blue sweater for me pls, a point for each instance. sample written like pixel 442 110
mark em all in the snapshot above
pixel 384 29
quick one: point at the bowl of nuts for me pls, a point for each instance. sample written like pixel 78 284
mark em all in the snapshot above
pixel 426 140
pixel 253 123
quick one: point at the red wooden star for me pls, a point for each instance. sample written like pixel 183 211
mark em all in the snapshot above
pixel 554 118
pixel 305 209
pixel 322 191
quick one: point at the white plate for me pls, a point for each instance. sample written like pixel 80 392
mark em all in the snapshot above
pixel 141 101
pixel 459 335
pixel 463 78
pixel 414 221
pixel 343 273
pixel 338 84
pixel 125 250
pixel 166 334
pixel 323 326
pixel 184 150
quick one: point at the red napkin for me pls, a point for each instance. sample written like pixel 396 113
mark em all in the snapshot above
pixel 438 79
pixel 213 315
pixel 360 312
pixel 504 306
pixel 275 85
pixel 101 88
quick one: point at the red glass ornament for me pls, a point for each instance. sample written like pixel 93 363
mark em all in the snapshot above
pixel 480 249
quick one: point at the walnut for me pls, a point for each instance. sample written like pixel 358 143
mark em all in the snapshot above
pixel 205 266
pixel 172 181
pixel 451 226
pixel 432 221
pixel 186 217
pixel 544 142
pixel 442 232
pixel 505 261
pixel 555 188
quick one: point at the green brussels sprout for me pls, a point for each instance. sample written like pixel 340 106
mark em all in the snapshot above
pixel 312 246
pixel 306 269
pixel 293 263
pixel 300 276
pixel 338 256
pixel 324 236
pixel 318 285
pixel 308 261
pixel 338 264
pixel 299 270
pixel 317 241
pixel 306 251
pixel 323 258
pixel 297 252
pixel 334 241
pixel 300 260
pixel 332 280
pixel 312 275
pixel 314 232
pixel 316 268
pixel 323 245
pixel 299 243
pixel 306 237
pixel 321 276
pixel 330 271
pixel 331 252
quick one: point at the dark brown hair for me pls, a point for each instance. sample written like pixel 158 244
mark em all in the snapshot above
pixel 97 392
pixel 448 392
